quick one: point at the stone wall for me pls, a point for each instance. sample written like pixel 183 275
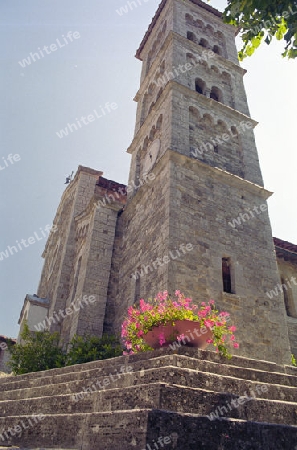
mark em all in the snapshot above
pixel 142 236
pixel 60 248
pixel 197 199
pixel 4 358
pixel 193 203
pixel 62 251
pixel 203 204
pixel 90 281
pixel 288 282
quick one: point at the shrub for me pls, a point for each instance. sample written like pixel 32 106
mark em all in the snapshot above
pixel 37 351
pixel 83 349
pixel 40 350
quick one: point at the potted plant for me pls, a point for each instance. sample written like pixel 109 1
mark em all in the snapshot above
pixel 162 320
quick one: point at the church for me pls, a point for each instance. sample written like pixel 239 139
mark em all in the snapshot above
pixel 193 215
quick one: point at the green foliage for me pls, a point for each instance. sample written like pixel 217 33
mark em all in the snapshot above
pixel 84 349
pixel 37 351
pixel 294 362
pixel 41 351
pixel 263 20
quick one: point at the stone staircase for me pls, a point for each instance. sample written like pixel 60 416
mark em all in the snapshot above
pixel 187 400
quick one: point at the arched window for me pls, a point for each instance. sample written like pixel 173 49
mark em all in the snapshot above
pixel 148 62
pixel 289 303
pixel 203 43
pixel 190 36
pixel 226 273
pixel 190 58
pixel 137 289
pixel 216 94
pixel 216 49
pixel 234 132
pixel 189 19
pixel 76 279
pixel 199 86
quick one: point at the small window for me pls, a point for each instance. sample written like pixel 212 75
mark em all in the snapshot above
pixel 203 43
pixel 216 94
pixel 226 272
pixel 190 36
pixel 199 86
pixel 289 303
pixel 217 50
pixel 137 290
pixel 76 279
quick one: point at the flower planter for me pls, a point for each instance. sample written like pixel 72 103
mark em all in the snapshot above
pixel 193 334
pixel 175 322
pixel 152 337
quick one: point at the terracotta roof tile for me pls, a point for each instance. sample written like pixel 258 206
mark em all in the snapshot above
pixel 285 245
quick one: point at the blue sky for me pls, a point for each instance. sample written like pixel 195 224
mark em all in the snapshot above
pixel 98 67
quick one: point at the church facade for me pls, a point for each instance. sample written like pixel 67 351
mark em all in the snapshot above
pixel 194 213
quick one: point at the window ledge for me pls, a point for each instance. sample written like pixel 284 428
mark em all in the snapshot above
pixel 232 298
pixel 292 319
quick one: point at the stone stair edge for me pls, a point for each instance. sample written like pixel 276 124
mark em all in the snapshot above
pixel 187 352
pixel 157 385
pixel 158 422
pixel 147 411
pixel 57 374
pixel 170 371
pixel 147 370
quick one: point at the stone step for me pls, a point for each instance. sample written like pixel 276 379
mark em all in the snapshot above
pixel 143 429
pixel 105 369
pixel 168 375
pixel 159 396
pixel 114 364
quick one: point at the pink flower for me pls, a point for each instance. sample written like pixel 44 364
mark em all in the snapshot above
pixel 166 309
pixel 180 337
pixel 162 339
pixel 176 305
pixel 162 296
pixel 143 306
pixel 130 310
pixel 208 323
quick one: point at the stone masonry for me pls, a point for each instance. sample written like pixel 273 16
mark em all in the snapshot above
pixel 188 400
pixel 194 181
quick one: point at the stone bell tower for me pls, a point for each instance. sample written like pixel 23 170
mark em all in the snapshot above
pixel 202 225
